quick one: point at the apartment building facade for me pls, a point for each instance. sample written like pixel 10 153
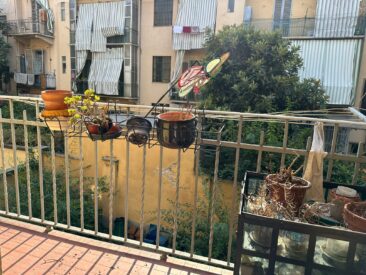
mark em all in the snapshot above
pixel 134 54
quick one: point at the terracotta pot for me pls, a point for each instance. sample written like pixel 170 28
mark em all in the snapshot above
pixel 344 199
pixel 283 195
pixel 98 133
pixel 355 216
pixel 176 129
pixel 54 99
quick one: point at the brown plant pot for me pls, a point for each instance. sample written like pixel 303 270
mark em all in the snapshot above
pixel 98 133
pixel 284 195
pixel 176 129
pixel 54 99
pixel 355 216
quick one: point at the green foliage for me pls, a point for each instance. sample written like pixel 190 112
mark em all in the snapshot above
pixel 261 74
pixel 4 47
pixel 48 195
pixel 202 229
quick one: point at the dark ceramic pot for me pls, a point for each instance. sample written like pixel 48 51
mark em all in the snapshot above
pixel 138 130
pixel 176 129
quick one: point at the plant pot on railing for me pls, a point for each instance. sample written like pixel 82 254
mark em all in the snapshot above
pixel 355 216
pixel 55 114
pixel 138 130
pixel 289 194
pixel 103 132
pixel 176 129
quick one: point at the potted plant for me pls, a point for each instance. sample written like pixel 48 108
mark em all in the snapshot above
pixel 355 216
pixel 97 122
pixel 55 114
pixel 176 129
pixel 287 189
pixel 262 205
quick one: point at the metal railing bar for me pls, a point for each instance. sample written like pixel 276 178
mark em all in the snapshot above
pixel 27 169
pixel 54 180
pixel 159 196
pixel 213 196
pixel 67 181
pixel 15 161
pixel 21 122
pixel 260 152
pixel 175 226
pixel 284 145
pixel 273 149
pixel 5 181
pixel 143 195
pixel 96 188
pixel 40 164
pixel 111 187
pixel 196 176
pixel 234 210
pixel 357 163
pixel 127 183
pixel 220 114
pixel 332 152
pixel 81 182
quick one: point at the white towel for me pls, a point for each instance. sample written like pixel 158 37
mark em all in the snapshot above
pixel 30 79
pixel 177 29
pixel 20 78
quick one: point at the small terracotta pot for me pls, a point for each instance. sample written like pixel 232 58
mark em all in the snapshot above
pixel 344 199
pixel 355 216
pixel 54 99
pixel 295 195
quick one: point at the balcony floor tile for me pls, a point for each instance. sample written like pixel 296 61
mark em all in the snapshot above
pixel 27 249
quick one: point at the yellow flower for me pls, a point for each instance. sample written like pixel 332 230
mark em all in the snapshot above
pixel 97 98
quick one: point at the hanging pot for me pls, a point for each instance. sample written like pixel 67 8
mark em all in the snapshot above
pixel 176 129
pixel 54 99
pixel 138 130
pixel 96 132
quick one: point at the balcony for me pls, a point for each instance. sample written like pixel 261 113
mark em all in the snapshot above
pixel 25 29
pixel 313 27
pixel 172 202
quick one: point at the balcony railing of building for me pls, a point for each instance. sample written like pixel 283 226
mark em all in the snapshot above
pixel 313 27
pixel 227 144
pixel 28 27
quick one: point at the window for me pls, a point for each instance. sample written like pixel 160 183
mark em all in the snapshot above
pixel 230 5
pixel 64 64
pixel 163 12
pixel 282 14
pixel 161 69
pixel 63 11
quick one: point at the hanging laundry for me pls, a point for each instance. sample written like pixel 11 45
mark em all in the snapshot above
pixel 195 29
pixel 30 79
pixel 177 29
pixel 187 29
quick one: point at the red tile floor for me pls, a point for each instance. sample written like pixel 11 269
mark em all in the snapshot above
pixel 27 249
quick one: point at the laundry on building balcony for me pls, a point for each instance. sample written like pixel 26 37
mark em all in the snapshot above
pixel 30 78
pixel 21 78
pixel 97 22
pixel 193 20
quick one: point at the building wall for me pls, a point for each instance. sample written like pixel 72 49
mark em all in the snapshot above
pixel 52 52
pixel 186 185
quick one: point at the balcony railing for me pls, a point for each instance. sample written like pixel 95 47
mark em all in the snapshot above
pixel 313 27
pixel 28 27
pixel 183 194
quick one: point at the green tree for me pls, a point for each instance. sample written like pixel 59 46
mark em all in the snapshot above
pixel 261 74
pixel 4 48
